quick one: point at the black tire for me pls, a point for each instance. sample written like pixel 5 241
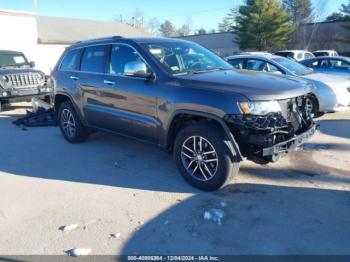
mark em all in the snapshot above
pixel 226 167
pixel 81 133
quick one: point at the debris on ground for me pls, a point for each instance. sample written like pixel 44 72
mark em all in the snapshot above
pixel 216 215
pixel 42 117
pixel 117 235
pixel 223 204
pixel 43 114
pixel 78 252
pixel 67 228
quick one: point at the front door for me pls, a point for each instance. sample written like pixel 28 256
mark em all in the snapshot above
pixel 128 104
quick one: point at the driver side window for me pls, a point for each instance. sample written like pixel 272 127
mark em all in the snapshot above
pixel 120 56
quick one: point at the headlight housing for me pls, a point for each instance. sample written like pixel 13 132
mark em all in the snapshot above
pixel 260 108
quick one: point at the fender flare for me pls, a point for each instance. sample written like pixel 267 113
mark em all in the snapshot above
pixel 70 98
pixel 232 143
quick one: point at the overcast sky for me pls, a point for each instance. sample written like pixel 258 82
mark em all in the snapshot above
pixel 204 13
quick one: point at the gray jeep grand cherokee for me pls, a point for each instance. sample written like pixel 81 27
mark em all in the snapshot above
pixel 18 80
pixel 180 96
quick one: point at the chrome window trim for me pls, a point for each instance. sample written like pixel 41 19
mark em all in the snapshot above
pixel 106 74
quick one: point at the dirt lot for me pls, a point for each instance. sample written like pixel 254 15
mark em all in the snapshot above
pixel 112 185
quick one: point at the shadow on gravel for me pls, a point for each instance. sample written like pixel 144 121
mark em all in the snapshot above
pixel 257 219
pixel 339 128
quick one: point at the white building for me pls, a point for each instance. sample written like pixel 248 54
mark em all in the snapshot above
pixel 43 39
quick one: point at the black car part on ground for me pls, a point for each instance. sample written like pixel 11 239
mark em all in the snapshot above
pixel 42 117
pixel 265 139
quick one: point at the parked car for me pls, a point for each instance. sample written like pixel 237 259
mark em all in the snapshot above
pixel 180 96
pixel 325 53
pixel 333 93
pixel 18 79
pixel 330 65
pixel 296 55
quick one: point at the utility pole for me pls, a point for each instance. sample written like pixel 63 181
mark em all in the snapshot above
pixel 35 5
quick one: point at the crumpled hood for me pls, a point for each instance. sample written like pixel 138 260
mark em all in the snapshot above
pixel 256 86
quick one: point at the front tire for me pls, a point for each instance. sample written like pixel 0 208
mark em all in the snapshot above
pixel 71 126
pixel 203 156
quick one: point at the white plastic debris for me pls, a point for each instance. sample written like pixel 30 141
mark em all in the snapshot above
pixel 223 204
pixel 78 252
pixel 67 228
pixel 207 215
pixel 117 235
pixel 216 215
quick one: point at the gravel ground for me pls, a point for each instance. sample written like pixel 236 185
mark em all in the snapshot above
pixel 127 197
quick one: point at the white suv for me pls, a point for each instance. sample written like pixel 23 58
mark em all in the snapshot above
pixel 296 55
pixel 325 53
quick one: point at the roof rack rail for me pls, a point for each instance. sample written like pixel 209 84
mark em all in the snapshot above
pixel 100 39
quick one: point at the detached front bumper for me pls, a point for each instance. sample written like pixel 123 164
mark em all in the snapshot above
pixel 283 148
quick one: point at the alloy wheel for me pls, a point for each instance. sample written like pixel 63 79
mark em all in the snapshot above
pixel 199 158
pixel 68 123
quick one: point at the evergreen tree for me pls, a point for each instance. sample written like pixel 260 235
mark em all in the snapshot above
pixel 228 22
pixel 263 25
pixel 337 17
pixel 300 11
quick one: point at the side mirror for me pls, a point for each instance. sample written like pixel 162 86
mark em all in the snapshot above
pixel 137 69
pixel 32 64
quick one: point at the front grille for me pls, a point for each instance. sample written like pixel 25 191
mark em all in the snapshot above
pixel 25 80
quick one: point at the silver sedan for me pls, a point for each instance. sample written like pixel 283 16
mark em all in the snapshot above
pixel 332 92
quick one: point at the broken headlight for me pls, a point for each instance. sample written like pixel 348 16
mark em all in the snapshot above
pixel 260 108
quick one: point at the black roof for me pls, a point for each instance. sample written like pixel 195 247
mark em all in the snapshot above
pixel 125 39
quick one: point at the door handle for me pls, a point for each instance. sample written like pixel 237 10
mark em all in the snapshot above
pixel 107 82
pixel 74 77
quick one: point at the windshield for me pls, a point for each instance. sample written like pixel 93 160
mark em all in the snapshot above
pixel 13 60
pixel 186 58
pixel 292 66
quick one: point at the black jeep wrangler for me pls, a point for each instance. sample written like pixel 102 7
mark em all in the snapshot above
pixel 18 80
pixel 178 95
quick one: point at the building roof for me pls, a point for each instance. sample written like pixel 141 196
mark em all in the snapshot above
pixel 57 30
pixel 9 52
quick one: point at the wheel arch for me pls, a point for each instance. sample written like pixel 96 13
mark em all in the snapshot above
pixel 181 118
pixel 60 98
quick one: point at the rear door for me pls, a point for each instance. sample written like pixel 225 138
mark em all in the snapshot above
pixel 90 79
pixel 67 72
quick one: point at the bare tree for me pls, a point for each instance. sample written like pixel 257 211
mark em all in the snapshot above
pixel 153 25
pixel 186 28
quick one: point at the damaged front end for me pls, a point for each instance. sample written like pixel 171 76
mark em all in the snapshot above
pixel 267 138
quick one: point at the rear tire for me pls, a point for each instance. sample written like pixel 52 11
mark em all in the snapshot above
pixel 71 126
pixel 203 157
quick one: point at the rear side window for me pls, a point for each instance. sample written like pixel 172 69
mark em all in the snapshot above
pixel 236 63
pixel 71 60
pixel 94 59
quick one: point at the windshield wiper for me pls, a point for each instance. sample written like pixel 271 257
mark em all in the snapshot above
pixel 194 72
